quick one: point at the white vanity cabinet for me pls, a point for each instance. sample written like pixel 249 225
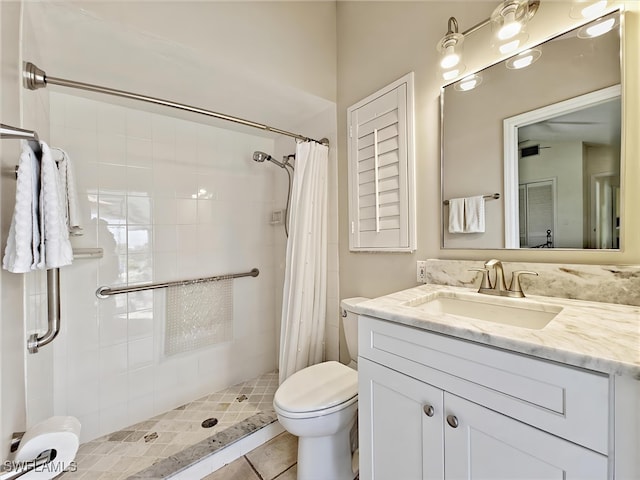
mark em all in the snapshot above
pixel 431 406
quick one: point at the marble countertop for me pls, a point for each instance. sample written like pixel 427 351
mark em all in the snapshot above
pixel 598 336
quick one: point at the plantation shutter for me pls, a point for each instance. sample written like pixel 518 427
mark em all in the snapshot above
pixel 380 171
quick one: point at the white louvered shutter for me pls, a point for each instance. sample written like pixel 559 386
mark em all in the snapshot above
pixel 381 176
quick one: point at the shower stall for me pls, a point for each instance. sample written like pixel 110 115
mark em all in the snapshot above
pixel 168 195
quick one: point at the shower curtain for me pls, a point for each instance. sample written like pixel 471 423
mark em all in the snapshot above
pixel 305 281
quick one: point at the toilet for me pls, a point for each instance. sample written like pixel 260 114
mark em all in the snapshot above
pixel 319 404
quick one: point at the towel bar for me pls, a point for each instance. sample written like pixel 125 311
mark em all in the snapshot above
pixel 493 196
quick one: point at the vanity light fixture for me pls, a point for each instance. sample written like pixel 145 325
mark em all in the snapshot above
pixel 508 21
pixel 468 83
pixel 450 48
pixel 524 59
pixel 509 18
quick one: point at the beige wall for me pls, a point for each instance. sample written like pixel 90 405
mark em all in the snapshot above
pixel 379 42
pixel 12 338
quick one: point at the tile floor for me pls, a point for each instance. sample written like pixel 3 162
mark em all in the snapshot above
pixel 121 454
pixel 276 459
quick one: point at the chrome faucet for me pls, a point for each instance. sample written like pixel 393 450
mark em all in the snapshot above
pixel 498 287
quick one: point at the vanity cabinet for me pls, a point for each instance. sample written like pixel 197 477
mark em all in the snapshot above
pixel 431 406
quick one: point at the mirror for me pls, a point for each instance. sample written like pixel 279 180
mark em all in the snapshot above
pixel 547 138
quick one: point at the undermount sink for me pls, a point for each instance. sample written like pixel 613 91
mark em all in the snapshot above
pixel 508 311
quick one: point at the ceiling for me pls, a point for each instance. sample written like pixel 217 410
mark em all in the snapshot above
pixel 598 124
pixel 108 44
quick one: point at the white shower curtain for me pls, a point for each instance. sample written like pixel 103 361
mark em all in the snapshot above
pixel 305 280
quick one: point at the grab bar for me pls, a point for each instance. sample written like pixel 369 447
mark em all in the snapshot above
pixel 10 132
pixel 35 342
pixel 104 292
pixel 53 313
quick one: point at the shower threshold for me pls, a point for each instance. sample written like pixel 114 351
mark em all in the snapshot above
pixel 181 439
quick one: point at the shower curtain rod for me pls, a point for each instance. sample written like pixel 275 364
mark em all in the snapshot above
pixel 35 78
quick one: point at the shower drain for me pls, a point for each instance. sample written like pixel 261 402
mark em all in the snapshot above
pixel 209 422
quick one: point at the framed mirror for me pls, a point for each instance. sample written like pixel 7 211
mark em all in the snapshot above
pixel 545 134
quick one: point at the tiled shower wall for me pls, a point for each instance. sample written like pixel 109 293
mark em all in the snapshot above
pixel 166 199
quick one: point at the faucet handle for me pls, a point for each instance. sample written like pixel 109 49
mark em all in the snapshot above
pixel 492 263
pixel 515 281
pixel 486 281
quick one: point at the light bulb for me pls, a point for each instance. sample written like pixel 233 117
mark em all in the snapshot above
pixel 600 28
pixel 594 9
pixel 523 59
pixel 509 47
pixel 469 82
pixel 451 58
pixel 468 85
pixel 450 74
pixel 523 62
pixel 510 28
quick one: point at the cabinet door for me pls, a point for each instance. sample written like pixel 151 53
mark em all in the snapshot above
pixel 381 170
pixel 400 437
pixel 488 445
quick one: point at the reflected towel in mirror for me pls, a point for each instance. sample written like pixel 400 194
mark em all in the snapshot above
pixel 456 215
pixel 474 214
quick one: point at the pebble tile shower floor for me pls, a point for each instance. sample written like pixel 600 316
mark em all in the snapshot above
pixel 124 453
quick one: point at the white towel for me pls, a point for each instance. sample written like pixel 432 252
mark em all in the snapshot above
pixel 55 248
pixel 69 194
pixel 474 214
pixel 21 253
pixel 456 215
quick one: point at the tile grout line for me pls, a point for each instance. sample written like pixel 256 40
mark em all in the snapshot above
pixel 285 471
pixel 253 468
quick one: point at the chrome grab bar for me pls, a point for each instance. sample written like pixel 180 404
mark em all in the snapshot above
pixel 53 313
pixel 35 342
pixel 10 132
pixel 104 292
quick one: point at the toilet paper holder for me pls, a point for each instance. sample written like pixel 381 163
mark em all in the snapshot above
pixel 22 468
pixel 45 450
pixel 15 441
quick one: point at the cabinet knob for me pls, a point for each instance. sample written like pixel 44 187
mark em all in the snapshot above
pixel 428 410
pixel 452 420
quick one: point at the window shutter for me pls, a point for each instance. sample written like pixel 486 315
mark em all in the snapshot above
pixel 381 171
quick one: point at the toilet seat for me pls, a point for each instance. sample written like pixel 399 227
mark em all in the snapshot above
pixel 317 390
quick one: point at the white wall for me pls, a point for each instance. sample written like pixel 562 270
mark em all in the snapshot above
pixel 166 199
pixel 12 339
pixel 563 162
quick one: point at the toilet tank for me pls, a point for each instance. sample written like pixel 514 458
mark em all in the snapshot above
pixel 350 323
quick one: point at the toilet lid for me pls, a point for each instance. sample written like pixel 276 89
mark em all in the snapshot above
pixel 318 387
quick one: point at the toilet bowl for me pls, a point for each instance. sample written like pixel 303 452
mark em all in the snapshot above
pixel 319 404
